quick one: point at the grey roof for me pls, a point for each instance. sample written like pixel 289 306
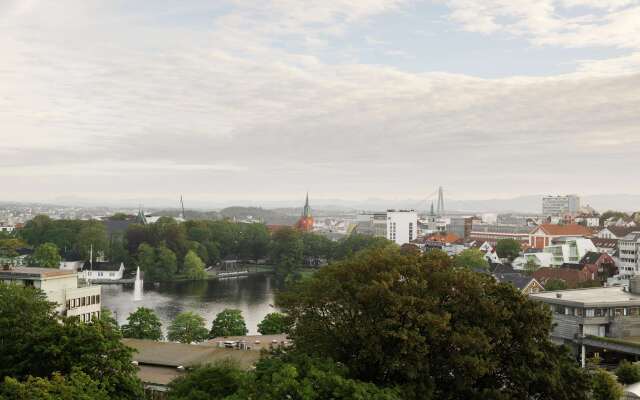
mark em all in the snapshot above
pixel 593 297
pixel 517 279
pixel 101 266
pixel 32 272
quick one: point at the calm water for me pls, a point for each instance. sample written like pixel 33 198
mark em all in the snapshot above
pixel 253 295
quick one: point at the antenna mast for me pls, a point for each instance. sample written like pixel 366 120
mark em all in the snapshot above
pixel 182 205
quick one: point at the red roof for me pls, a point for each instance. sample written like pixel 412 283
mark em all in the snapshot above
pixel 443 237
pixel 565 230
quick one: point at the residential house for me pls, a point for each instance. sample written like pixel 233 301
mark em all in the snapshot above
pixel 544 234
pixel 573 275
pixel 602 264
pixel 569 250
pixel 615 232
pixel 607 246
pixel 629 254
pixel 525 284
pixel 102 271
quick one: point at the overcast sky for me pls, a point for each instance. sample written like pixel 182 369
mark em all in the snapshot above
pixel 259 99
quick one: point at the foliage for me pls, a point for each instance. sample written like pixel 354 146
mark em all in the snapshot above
pixel 410 249
pixel 193 266
pixel 143 324
pixel 46 255
pixel 436 331
pixel 77 386
pixel 612 214
pixel 93 234
pixel 228 322
pixel 61 344
pixel 187 327
pixel 531 266
pixel 355 243
pixel 555 284
pixel 628 373
pixel 209 382
pixel 9 247
pixel 286 251
pixel 508 248
pixel 273 323
pixel 316 247
pixel 472 259
pixel 605 386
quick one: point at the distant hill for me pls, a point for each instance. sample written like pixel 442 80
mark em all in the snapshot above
pixel 189 214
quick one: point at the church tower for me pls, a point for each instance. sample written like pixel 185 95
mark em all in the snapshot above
pixel 305 223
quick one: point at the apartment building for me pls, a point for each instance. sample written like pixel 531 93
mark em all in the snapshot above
pixel 402 226
pixel 61 287
pixel 629 254
pixel 559 206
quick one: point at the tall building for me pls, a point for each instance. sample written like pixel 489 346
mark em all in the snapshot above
pixel 559 206
pixel 402 226
pixel 305 223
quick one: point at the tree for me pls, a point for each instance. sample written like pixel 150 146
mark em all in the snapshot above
pixel 273 323
pixel 147 260
pixel 254 243
pixel 76 386
pixel 143 324
pixel 436 331
pixel 286 252
pixel 316 247
pixel 355 243
pixel 187 327
pixel 61 344
pixel 555 284
pixel 508 248
pixel 167 264
pixel 9 247
pixel 228 322
pixel 46 255
pixel 193 266
pixel 531 266
pixel 472 259
pixel 628 373
pixel 605 386
pixel 210 382
pixel 92 236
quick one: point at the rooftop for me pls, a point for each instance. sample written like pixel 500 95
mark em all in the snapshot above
pixel 597 297
pixel 565 230
pixel 33 272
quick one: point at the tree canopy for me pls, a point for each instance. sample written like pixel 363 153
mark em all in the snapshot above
pixel 435 331
pixel 143 324
pixel 228 322
pixel 37 342
pixel 193 266
pixel 472 259
pixel 628 373
pixel 508 248
pixel 187 327
pixel 46 255
pixel 273 323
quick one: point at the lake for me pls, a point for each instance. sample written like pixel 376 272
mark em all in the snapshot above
pixel 254 295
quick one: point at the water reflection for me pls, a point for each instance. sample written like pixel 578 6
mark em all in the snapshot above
pixel 253 295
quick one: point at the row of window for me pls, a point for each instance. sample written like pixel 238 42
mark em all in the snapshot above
pixel 597 312
pixel 87 317
pixel 83 301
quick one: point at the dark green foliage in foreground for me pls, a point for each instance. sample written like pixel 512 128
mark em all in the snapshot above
pixel 435 331
pixel 77 386
pixel 605 386
pixel 143 324
pixel 276 378
pixel 273 323
pixel 628 373
pixel 36 342
pixel 228 322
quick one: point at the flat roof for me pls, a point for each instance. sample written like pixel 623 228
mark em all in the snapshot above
pixel 597 297
pixel 257 342
pixel 170 354
pixel 33 272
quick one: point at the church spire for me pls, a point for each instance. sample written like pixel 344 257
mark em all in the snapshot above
pixel 306 212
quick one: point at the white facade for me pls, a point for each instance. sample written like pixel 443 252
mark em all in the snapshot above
pixel 629 249
pixel 61 287
pixel 541 260
pixel 98 273
pixel 402 226
pixel 6 228
pixel 555 206
pixel 569 250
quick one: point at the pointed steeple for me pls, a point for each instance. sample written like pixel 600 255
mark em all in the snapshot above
pixel 432 212
pixel 140 218
pixel 306 212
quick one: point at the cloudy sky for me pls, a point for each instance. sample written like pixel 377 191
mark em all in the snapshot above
pixel 266 99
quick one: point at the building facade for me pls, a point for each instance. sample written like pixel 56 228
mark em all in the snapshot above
pixel 559 206
pixel 402 226
pixel 629 254
pixel 60 287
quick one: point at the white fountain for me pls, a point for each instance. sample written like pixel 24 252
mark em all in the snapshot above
pixel 137 287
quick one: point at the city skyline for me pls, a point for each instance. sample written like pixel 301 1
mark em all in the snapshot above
pixel 266 100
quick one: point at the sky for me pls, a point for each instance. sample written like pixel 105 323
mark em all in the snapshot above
pixel 238 100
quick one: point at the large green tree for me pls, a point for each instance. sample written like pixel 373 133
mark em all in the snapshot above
pixel 508 248
pixel 605 386
pixel 37 342
pixel 143 324
pixel 187 327
pixel 193 266
pixel 228 322
pixel 437 331
pixel 92 236
pixel 287 252
pixel 628 373
pixel 46 255
pixel 210 382
pixel 471 259
pixel 273 323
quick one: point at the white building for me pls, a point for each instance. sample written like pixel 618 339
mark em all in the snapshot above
pixel 6 228
pixel 629 249
pixel 557 206
pixel 60 287
pixel 102 271
pixel 569 250
pixel 402 226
